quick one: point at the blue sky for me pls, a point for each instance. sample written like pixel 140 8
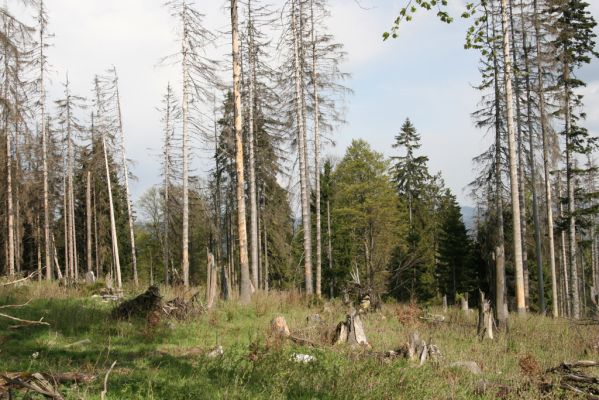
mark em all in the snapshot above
pixel 425 75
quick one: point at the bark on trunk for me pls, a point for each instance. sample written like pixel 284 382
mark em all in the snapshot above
pixel 316 118
pixel 239 168
pixel 126 177
pixel 301 139
pixel 251 159
pixel 517 234
pixel 115 240
pixel 185 110
pixel 533 170
pixel 88 212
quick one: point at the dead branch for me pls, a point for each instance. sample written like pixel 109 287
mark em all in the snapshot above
pixel 103 394
pixel 15 305
pixel 24 321
pixel 19 280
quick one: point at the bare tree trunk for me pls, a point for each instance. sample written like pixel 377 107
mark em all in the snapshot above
pixel 167 174
pixel 546 166
pixel 517 234
pixel 17 213
pixel 574 291
pixel 251 159
pixel 224 277
pixel 88 212
pixel 521 163
pixel 330 246
pixel 241 224
pixel 500 295
pixel 97 254
pixel 316 112
pixel 301 132
pixel 185 109
pixel 66 218
pixel 69 212
pixel 38 241
pixel 10 211
pixel 266 272
pixel 564 255
pixel 44 135
pixel 115 241
pixel 126 177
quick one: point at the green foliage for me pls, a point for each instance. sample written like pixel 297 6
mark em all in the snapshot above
pixel 368 223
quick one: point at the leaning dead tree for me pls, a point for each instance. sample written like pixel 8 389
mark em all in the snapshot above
pixel 119 123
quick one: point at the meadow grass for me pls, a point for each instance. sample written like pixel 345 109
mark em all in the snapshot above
pixel 169 361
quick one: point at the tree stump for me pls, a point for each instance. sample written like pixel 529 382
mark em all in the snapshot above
pixel 464 302
pixel 485 318
pixel 278 326
pixel 351 330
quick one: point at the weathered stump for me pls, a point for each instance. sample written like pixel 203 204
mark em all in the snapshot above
pixel 279 328
pixel 351 330
pixel 485 318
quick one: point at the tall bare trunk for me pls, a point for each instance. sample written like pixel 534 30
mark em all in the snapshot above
pixel 266 265
pixel 115 240
pixel 564 251
pixel 126 177
pixel 521 162
pixel 88 213
pixel 329 245
pixel 185 109
pixel 241 224
pixel 316 112
pixel 513 162
pixel 574 291
pixel 301 132
pixel 251 158
pixel 10 211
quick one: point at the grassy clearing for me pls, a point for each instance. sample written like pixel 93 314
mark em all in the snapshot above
pixel 169 361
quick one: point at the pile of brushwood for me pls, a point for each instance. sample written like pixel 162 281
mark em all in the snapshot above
pixel 39 383
pixel 572 378
pixel 150 305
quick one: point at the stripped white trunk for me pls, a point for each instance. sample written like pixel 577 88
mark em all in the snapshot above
pixel 241 224
pixel 301 132
pixel 185 161
pixel 126 176
pixel 88 212
pixel 251 158
pixel 513 162
pixel 316 156
pixel 115 242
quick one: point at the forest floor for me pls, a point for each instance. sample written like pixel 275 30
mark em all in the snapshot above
pixel 169 359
